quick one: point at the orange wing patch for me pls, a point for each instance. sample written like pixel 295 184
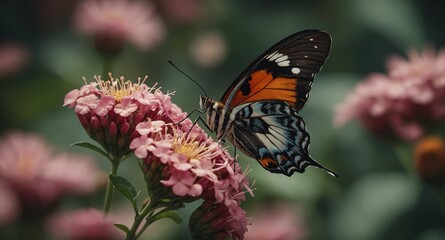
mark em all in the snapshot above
pixel 267 162
pixel 262 86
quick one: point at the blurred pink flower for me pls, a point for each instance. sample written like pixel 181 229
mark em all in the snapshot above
pixel 13 57
pixel 39 176
pixel 182 11
pixel 402 102
pixel 276 223
pixel 208 49
pixel 9 207
pixel 113 22
pixel 84 224
pixel 110 111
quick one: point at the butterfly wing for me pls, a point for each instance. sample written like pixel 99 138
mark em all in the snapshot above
pixel 274 134
pixel 284 72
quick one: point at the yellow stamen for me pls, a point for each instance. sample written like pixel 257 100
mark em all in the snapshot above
pixel 192 148
pixel 118 87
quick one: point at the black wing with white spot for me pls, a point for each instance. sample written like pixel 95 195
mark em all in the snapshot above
pixel 296 59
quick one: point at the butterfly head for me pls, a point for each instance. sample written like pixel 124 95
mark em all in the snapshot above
pixel 205 103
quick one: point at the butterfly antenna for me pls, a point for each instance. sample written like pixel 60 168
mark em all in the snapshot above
pixel 197 84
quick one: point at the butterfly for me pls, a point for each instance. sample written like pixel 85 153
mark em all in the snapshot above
pixel 259 112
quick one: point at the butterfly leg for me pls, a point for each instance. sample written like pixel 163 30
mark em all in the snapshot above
pixel 190 113
pixel 199 118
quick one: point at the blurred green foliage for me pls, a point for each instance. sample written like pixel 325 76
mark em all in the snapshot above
pixel 374 198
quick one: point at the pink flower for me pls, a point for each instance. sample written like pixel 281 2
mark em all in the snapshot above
pixel 142 146
pixel 110 111
pixel 84 224
pixel 149 126
pixel 401 103
pixel 285 221
pixel 112 22
pixel 13 57
pixel 9 207
pixel 183 183
pixel 39 176
pixel 125 107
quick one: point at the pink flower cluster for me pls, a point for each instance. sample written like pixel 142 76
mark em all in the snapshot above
pixel 180 162
pixel 39 177
pixel 110 110
pixel 194 162
pixel 112 22
pixel 402 102
pixel 194 166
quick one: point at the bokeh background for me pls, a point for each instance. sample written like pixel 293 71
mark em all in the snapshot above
pixel 46 55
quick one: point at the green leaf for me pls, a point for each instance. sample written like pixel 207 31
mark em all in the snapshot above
pixel 173 215
pixel 125 187
pixel 92 147
pixel 122 227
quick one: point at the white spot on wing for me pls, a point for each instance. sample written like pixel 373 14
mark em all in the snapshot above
pixel 282 58
pixel 295 70
pixel 275 56
pixel 315 46
pixel 272 143
pixel 284 63
pixel 311 39
pixel 270 55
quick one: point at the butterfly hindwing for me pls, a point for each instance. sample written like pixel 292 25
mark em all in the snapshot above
pixel 284 72
pixel 274 134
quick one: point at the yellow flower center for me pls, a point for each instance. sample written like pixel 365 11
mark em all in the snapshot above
pixel 192 148
pixel 118 87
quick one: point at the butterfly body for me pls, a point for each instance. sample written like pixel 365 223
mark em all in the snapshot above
pixel 259 111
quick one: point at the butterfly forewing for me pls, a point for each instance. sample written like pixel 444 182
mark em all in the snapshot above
pixel 284 72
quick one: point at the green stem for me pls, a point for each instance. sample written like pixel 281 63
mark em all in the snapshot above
pixel 131 235
pixel 149 221
pixel 110 188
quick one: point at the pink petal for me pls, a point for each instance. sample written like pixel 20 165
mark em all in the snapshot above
pixel 104 105
pixel 180 189
pixel 144 128
pixel 125 107
pixel 195 190
pixel 71 97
